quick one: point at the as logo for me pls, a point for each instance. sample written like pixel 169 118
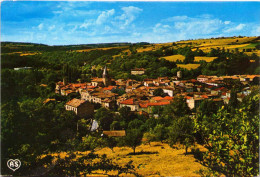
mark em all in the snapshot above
pixel 13 164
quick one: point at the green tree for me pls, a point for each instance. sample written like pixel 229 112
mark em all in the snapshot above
pixel 178 107
pixel 125 113
pixel 104 118
pixel 133 138
pixel 232 139
pixel 233 102
pixel 182 131
pixel 159 92
pixel 160 132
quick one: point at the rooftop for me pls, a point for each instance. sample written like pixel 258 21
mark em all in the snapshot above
pixel 117 133
pixel 75 102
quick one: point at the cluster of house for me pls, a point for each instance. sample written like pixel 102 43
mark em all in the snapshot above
pixel 139 95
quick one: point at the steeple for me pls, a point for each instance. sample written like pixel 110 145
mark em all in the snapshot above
pixel 105 74
pixel 106 79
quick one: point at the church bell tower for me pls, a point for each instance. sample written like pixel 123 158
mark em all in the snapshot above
pixel 106 78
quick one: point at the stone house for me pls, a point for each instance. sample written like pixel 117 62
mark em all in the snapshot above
pixel 138 71
pixel 82 108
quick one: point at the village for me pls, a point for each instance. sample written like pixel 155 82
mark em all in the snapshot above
pixel 142 96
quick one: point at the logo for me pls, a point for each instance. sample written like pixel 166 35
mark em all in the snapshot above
pixel 14 164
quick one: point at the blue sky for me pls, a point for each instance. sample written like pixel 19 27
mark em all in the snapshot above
pixel 62 23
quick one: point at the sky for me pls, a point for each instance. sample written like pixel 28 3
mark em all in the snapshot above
pixel 85 22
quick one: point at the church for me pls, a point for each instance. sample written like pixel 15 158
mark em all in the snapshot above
pixel 102 82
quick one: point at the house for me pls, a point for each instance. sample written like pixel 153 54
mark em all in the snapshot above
pixel 58 87
pixel 218 101
pixel 22 68
pixel 97 82
pixel 108 103
pixel 202 78
pixel 193 103
pixel 103 96
pixel 115 133
pixel 131 103
pixel 149 84
pixel 169 91
pixel 65 89
pixel 189 89
pixel 82 108
pixel 138 71
pixel 147 106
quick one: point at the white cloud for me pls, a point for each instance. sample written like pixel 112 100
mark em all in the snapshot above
pixel 159 28
pixel 129 15
pixel 86 24
pixel 104 16
pixel 51 27
pixel 198 26
pixel 184 27
pixel 40 26
pixel 108 29
pixel 227 22
pixel 176 18
pixel 234 29
pixel 57 12
pixel 255 30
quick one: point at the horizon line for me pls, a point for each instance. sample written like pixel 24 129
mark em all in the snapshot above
pixel 127 42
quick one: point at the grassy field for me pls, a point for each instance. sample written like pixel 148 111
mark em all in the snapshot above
pixel 174 58
pixel 105 48
pixel 157 159
pixel 256 52
pixel 219 41
pixel 207 59
pixel 188 66
pixel 25 54
pixel 251 46
pixel 207 49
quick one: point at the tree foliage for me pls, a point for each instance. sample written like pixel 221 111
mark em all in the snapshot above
pixel 232 139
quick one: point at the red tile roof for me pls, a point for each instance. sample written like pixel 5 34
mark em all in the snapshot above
pixel 159 103
pixel 109 87
pixel 117 133
pixel 129 102
pixel 204 96
pixel 90 87
pixel 162 103
pixel 79 85
pixel 75 102
pixel 168 98
pixel 188 97
pixel 157 98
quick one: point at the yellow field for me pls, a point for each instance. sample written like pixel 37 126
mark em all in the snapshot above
pixel 225 41
pixel 162 160
pixel 148 48
pixel 174 58
pixel 105 48
pixel 25 54
pixel 256 52
pixel 207 59
pixel 11 53
pixel 188 66
pixel 207 48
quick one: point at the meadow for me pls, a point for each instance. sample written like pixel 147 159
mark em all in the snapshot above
pixel 207 59
pixel 174 58
pixel 156 159
pixel 188 66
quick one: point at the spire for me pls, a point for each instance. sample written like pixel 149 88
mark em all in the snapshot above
pixel 105 71
pixel 105 74
pixel 106 79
